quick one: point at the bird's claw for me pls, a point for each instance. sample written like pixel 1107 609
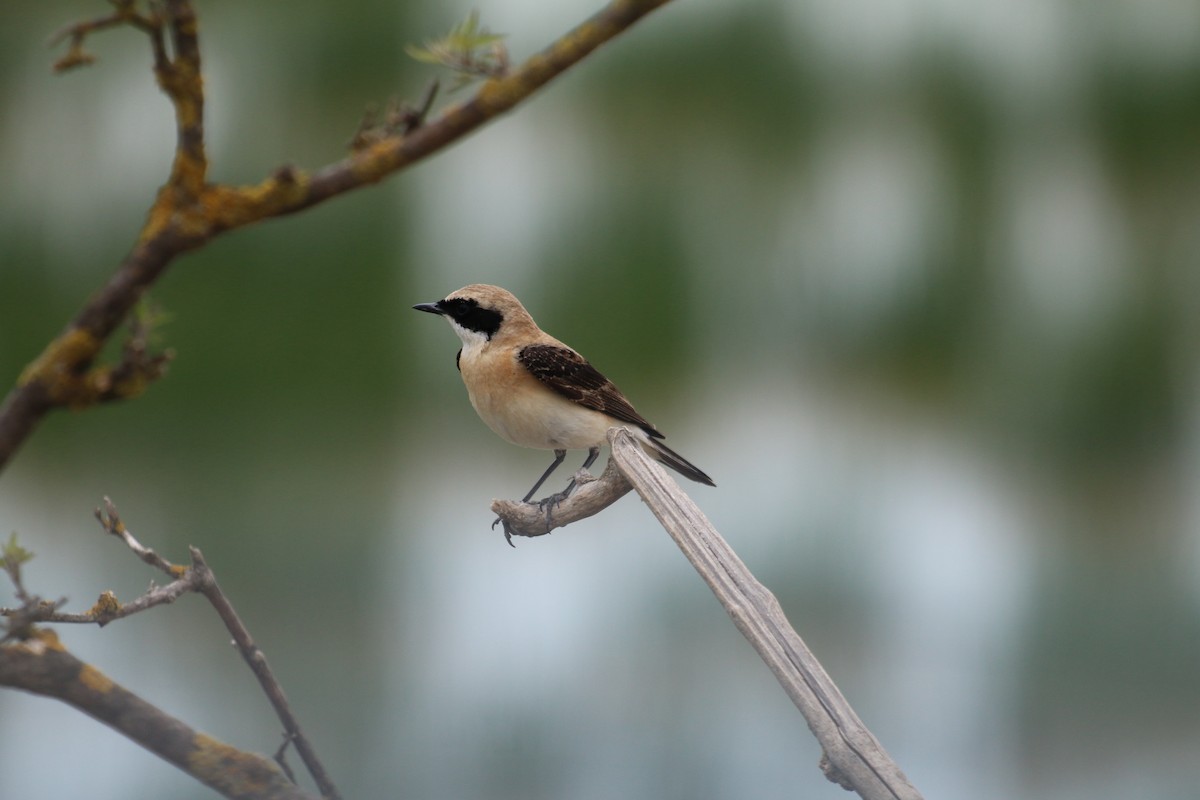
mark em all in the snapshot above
pixel 507 530
pixel 547 504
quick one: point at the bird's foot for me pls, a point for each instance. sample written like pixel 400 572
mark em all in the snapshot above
pixel 547 504
pixel 507 530
pixel 550 501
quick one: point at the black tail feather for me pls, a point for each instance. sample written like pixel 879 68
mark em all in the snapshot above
pixel 668 457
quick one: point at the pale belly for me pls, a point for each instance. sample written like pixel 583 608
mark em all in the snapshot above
pixel 540 418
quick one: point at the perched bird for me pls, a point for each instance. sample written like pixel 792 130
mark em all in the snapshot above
pixel 534 391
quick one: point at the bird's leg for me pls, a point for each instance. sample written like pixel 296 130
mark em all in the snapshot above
pixel 559 455
pixel 547 503
pixel 555 499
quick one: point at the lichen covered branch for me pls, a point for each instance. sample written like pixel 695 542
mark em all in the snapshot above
pixel 40 664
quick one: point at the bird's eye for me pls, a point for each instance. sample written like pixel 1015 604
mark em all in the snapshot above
pixel 457 307
pixel 468 313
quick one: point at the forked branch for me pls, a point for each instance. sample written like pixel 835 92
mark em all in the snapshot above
pixel 197 578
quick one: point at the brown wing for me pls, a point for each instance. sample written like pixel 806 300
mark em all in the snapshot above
pixel 569 374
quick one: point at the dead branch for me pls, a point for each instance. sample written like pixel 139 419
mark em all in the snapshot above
pixel 198 577
pixel 853 758
pixel 591 496
pixel 41 665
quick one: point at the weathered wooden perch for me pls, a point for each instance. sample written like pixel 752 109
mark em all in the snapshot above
pixel 853 757
pixel 591 496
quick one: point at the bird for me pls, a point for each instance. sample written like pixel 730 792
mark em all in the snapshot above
pixel 534 391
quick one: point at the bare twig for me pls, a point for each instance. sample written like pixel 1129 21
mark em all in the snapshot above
pixel 414 118
pixel 189 212
pixel 138 366
pixel 201 578
pixel 257 661
pixel 19 621
pixel 126 14
pixel 111 521
pixel 281 757
pixel 107 607
pixel 398 121
pixel 41 665
pixel 853 757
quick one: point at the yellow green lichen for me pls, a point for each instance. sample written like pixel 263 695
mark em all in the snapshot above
pixel 231 770
pixel 95 680
pixel 58 365
pixel 105 606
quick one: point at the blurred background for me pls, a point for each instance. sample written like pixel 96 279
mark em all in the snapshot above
pixel 914 280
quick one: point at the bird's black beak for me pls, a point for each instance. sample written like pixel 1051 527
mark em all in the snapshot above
pixel 432 308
